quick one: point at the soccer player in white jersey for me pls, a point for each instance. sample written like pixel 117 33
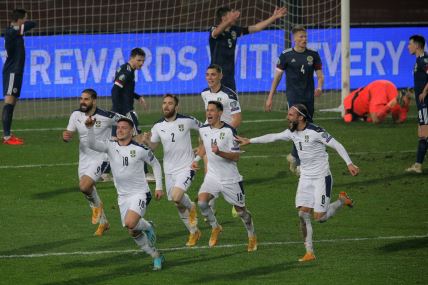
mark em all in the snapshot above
pixel 127 165
pixel 315 182
pixel 216 91
pixel 222 151
pixel 173 131
pixel 90 161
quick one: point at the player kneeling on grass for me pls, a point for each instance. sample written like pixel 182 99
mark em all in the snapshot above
pixel 315 183
pixel 127 165
pixel 222 176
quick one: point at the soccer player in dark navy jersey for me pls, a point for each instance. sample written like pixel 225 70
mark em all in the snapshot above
pixel 299 64
pixel 123 91
pixel 223 38
pixel 420 75
pixel 13 70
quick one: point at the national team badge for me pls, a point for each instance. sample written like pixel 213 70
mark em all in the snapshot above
pixel 219 99
pixel 97 124
pixel 233 33
pixel 181 127
pixel 310 60
pixel 132 153
pixel 222 136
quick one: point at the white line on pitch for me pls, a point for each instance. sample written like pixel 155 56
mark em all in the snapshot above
pixel 206 247
pixel 242 157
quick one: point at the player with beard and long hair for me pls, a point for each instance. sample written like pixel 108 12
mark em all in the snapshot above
pixel 91 162
pixel 315 182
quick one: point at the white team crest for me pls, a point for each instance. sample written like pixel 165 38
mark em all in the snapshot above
pixel 14 90
pixel 132 153
pixel 310 60
pixel 181 127
pixel 233 33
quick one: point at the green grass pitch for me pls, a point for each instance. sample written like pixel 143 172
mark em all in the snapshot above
pixel 46 236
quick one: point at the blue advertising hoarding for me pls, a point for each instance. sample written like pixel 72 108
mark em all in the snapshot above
pixel 63 65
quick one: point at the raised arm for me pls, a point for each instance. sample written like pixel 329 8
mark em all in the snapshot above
pixel 230 18
pixel 278 13
pixel 92 142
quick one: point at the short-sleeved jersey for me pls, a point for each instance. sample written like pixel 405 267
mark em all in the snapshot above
pixel 227 97
pixel 311 146
pixel 299 70
pixel 222 50
pixel 15 48
pixel 127 166
pixel 176 142
pixel 420 76
pixel 123 91
pixel 223 170
pixel 102 128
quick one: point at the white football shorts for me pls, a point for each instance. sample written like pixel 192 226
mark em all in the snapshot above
pixel 182 180
pixel 137 203
pixel 233 193
pixel 314 193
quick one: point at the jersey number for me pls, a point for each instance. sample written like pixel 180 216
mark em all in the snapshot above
pixel 230 43
pixel 323 199
pixel 172 137
pixel 125 161
pixel 239 197
pixel 302 69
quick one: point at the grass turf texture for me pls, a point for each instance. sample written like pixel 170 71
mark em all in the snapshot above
pixel 42 212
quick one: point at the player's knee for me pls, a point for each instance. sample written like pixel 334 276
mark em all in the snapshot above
pixel 85 187
pixel 203 205
pixel 130 224
pixel 133 233
pixel 320 217
pixel 240 211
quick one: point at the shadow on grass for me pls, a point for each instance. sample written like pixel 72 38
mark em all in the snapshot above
pixel 55 193
pixel 40 248
pixel 379 180
pixel 410 244
pixel 269 179
pixel 250 273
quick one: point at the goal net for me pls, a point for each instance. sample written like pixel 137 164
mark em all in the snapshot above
pixel 79 44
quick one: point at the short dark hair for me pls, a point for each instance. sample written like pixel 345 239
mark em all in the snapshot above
pixel 171 96
pixel 129 121
pixel 138 51
pixel 302 110
pixel 419 40
pixel 91 92
pixel 18 14
pixel 218 105
pixel 298 28
pixel 216 67
pixel 221 12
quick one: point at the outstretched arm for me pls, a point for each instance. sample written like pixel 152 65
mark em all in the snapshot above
pixel 284 136
pixel 353 169
pixel 278 13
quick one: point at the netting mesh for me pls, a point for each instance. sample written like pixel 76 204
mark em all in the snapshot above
pixel 79 44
